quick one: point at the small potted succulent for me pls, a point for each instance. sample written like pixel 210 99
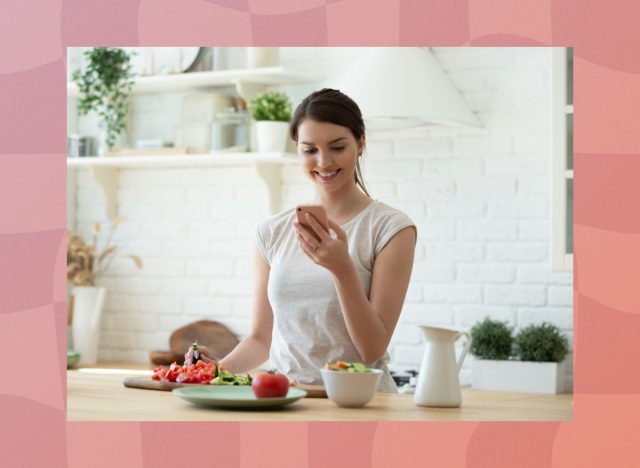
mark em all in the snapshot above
pixel 533 361
pixel 272 113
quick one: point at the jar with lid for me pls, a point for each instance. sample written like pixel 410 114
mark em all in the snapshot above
pixel 230 129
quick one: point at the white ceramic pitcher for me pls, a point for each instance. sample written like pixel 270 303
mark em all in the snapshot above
pixel 438 383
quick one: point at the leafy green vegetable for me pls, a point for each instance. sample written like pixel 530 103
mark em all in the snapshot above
pixel 344 366
pixel 224 377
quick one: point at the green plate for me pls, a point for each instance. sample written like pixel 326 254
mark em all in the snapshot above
pixel 234 396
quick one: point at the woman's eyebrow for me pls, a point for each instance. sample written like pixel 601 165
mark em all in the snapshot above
pixel 332 141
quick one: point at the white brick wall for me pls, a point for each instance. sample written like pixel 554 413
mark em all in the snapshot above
pixel 480 198
pixel 467 315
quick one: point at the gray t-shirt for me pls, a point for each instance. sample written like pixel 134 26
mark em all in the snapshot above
pixel 308 326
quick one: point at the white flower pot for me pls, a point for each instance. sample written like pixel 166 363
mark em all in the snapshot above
pixel 87 312
pixel 272 136
pixel 518 376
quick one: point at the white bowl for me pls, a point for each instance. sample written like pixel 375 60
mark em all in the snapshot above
pixel 351 389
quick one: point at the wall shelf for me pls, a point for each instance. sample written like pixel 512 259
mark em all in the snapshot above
pixel 248 81
pixel 183 160
pixel 105 170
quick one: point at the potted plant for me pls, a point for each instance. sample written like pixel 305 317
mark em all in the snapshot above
pixel 272 113
pixel 85 263
pixel 104 87
pixel 491 340
pixel 533 361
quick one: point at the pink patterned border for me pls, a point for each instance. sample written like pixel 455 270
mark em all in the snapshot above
pixel 605 429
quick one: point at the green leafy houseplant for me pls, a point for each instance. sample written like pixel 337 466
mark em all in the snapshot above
pixel 540 343
pixel 105 85
pixel 271 106
pixel 491 339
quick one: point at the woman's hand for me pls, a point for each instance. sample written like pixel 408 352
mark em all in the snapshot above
pixel 205 355
pixel 329 252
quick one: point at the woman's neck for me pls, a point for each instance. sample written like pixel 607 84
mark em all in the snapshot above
pixel 342 205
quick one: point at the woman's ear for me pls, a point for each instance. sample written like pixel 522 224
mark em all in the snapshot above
pixel 361 145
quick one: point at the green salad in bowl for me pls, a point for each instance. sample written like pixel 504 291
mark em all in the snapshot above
pixel 350 384
pixel 343 366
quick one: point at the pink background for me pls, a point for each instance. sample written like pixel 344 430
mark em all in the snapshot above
pixel 606 426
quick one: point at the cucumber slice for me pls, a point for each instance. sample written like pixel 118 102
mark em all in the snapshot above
pixel 359 367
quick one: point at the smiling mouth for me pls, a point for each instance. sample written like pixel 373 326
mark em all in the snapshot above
pixel 327 176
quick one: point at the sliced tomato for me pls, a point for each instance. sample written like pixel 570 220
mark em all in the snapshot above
pixel 200 372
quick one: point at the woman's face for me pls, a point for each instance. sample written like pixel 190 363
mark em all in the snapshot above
pixel 328 153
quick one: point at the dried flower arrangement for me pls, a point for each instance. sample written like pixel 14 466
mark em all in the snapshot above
pixel 85 263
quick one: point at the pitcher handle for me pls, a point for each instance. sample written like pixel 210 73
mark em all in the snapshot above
pixel 467 345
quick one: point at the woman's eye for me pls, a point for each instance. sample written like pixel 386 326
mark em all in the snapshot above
pixel 313 150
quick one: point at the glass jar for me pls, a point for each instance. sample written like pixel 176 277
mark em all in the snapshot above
pixel 230 131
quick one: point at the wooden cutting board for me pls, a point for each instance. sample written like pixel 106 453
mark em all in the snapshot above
pixel 165 358
pixel 313 391
pixel 214 335
pixel 145 383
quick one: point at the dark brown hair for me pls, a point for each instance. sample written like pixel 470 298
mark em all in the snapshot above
pixel 332 106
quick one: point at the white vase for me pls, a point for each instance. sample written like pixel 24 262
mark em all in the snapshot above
pixel 87 312
pixel 102 146
pixel 101 142
pixel 272 136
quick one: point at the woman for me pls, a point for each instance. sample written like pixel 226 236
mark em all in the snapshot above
pixel 321 296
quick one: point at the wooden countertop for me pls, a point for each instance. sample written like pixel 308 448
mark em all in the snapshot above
pixel 99 395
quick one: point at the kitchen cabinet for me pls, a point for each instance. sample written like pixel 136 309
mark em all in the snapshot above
pixel 99 395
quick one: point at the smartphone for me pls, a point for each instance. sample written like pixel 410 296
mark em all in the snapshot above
pixel 317 211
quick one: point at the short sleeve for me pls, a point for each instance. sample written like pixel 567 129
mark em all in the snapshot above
pixel 391 223
pixel 262 240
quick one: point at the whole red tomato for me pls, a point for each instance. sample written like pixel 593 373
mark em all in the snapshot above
pixel 270 384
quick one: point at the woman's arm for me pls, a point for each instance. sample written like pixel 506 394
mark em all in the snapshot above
pixel 253 350
pixel 370 321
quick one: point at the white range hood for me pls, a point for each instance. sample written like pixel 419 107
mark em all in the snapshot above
pixel 403 87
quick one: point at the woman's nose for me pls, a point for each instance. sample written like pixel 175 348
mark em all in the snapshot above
pixel 323 159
